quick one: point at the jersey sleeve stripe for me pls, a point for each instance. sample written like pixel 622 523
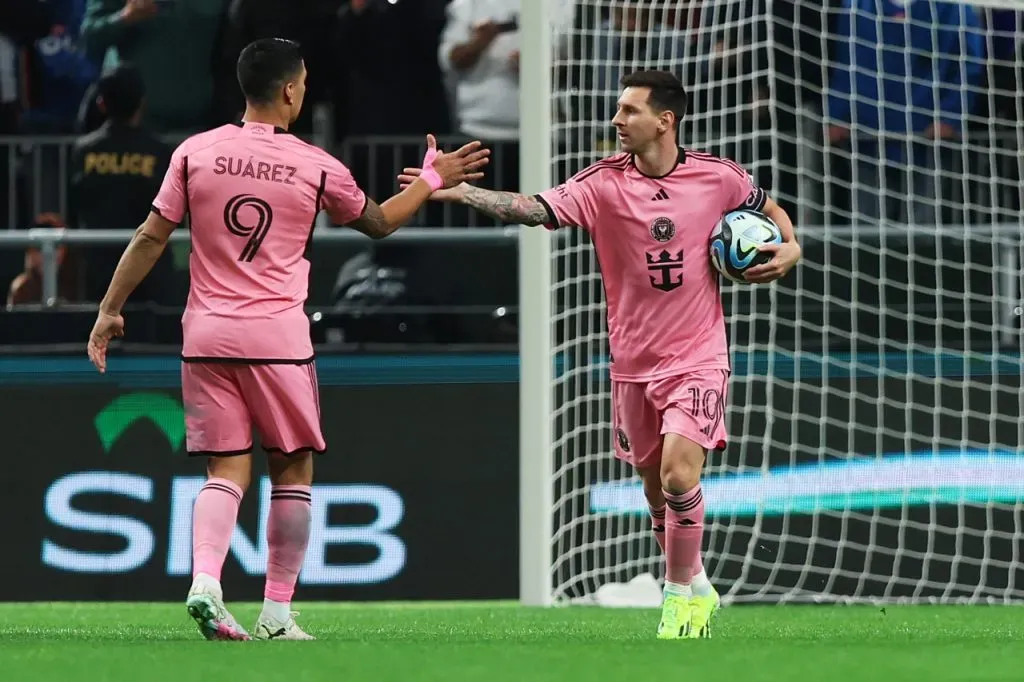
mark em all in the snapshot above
pixel 619 162
pixel 593 170
pixel 317 205
pixel 320 194
pixel 552 218
pixel 704 156
pixel 184 184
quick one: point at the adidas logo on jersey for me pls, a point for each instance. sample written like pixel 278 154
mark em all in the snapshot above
pixel 661 195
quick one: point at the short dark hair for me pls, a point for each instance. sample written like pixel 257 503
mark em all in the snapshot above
pixel 265 65
pixel 667 91
pixel 122 90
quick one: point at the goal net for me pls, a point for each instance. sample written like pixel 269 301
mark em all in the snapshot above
pixel 875 412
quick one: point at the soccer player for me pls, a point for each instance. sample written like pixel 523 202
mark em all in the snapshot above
pixel 650 211
pixel 253 192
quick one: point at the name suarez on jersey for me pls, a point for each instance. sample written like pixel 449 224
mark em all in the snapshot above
pixel 258 170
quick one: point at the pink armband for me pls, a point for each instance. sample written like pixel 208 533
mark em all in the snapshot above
pixel 429 174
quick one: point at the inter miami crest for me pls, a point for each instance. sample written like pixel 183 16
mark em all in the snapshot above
pixel 623 441
pixel 663 229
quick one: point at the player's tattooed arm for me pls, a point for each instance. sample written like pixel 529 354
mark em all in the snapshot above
pixel 507 206
pixel 373 223
pixel 380 220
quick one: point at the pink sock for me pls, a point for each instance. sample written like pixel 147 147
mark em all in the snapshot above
pixel 684 530
pixel 213 521
pixel 658 524
pixel 287 537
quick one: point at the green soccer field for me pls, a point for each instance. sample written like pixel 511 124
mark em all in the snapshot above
pixel 502 641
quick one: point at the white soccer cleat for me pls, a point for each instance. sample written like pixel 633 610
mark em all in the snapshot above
pixel 214 620
pixel 268 627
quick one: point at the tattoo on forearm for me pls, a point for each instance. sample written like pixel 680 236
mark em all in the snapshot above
pixel 507 206
pixel 372 223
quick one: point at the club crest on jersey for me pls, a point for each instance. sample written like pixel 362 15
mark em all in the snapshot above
pixel 620 435
pixel 663 229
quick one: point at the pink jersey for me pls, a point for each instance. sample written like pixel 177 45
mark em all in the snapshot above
pixel 651 236
pixel 252 192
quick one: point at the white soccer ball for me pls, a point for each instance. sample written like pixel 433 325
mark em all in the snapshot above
pixel 735 240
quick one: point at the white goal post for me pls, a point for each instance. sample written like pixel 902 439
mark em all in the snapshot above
pixel 535 334
pixel 876 407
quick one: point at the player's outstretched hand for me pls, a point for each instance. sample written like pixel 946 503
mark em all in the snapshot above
pixel 107 327
pixel 786 256
pixel 462 165
pixel 409 176
pixel 446 173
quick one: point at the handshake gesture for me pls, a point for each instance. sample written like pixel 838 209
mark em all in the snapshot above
pixel 444 171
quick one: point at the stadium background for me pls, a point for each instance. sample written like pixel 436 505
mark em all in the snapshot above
pixel 423 331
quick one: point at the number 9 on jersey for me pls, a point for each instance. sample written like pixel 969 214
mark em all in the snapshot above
pixel 735 240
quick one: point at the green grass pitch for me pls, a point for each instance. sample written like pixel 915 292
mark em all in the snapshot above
pixel 495 642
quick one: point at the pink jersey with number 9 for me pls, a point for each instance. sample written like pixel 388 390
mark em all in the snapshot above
pixel 252 193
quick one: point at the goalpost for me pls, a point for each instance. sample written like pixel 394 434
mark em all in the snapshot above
pixel 535 300
pixel 876 409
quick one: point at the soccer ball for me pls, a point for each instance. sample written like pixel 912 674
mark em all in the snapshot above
pixel 735 239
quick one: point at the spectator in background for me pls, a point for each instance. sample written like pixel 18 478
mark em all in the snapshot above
pixel 171 42
pixel 116 172
pixel 59 72
pixel 905 76
pixel 27 287
pixel 22 22
pixel 479 53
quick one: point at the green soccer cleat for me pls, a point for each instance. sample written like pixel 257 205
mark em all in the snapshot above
pixel 702 610
pixel 675 617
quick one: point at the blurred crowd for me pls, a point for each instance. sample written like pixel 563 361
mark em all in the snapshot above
pixel 907 96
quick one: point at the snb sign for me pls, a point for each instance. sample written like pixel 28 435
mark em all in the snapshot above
pixel 101 507
pixel 63 509
pixel 89 508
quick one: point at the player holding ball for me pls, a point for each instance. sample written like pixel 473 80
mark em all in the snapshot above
pixel 651 211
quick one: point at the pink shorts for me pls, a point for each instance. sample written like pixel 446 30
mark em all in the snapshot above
pixel 224 401
pixel 691 405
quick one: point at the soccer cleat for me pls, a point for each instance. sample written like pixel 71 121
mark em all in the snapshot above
pixel 268 627
pixel 702 611
pixel 214 621
pixel 675 617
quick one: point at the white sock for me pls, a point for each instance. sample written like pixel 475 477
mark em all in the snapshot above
pixel 208 583
pixel 701 585
pixel 279 611
pixel 677 589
